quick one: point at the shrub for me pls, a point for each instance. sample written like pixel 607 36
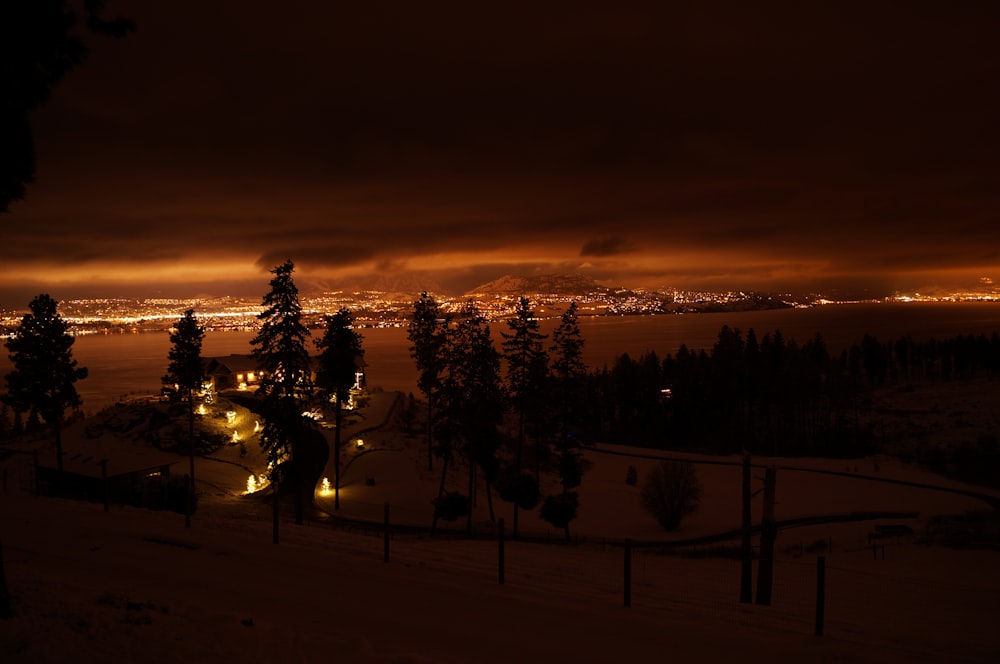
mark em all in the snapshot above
pixel 560 509
pixel 520 488
pixel 631 476
pixel 671 492
pixel 451 506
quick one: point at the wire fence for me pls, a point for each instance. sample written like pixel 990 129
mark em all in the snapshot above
pixel 895 595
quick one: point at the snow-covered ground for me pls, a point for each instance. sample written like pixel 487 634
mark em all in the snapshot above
pixel 136 585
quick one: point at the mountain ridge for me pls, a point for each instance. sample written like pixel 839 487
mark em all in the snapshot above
pixel 562 284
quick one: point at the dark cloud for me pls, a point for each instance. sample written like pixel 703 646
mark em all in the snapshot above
pixel 671 143
pixel 606 246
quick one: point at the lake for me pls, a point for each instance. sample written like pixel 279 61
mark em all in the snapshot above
pixel 121 365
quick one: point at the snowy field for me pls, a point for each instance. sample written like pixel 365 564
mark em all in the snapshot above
pixel 135 585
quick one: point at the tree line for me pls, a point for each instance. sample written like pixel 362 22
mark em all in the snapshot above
pixel 506 413
pixel 769 395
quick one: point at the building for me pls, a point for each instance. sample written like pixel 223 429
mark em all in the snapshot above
pixel 232 372
pixel 241 372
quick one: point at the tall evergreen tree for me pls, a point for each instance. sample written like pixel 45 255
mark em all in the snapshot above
pixel 285 382
pixel 567 367
pixel 484 399
pixel 427 333
pixel 340 351
pixel 472 397
pixel 526 362
pixel 42 382
pixel 567 374
pixel 187 372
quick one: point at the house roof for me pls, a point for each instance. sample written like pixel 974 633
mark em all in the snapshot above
pixel 231 364
pixel 123 457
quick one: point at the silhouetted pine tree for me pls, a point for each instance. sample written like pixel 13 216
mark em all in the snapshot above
pixel 187 372
pixel 285 382
pixel 42 382
pixel 471 401
pixel 339 354
pixel 427 338
pixel 526 371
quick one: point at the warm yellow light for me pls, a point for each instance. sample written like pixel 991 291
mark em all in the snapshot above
pixel 202 410
pixel 360 443
pixel 230 416
pixel 256 426
pixel 236 436
pixel 250 377
pixel 257 482
pixel 325 486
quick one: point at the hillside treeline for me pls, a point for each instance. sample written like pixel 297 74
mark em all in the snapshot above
pixel 768 395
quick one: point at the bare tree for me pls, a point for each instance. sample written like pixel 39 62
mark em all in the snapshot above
pixel 671 492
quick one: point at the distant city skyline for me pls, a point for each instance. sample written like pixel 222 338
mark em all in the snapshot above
pixel 549 296
pixel 803 146
pixel 507 287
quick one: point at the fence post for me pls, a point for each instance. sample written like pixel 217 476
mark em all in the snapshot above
pixel 104 484
pixel 768 533
pixel 746 555
pixel 386 534
pixel 628 572
pixel 274 511
pixel 820 593
pixel 5 611
pixel 188 501
pixel 500 551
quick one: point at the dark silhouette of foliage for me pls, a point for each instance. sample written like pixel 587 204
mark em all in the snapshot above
pixel 565 381
pixel 280 345
pixel 475 398
pixel 187 372
pixel 560 510
pixel 42 382
pixel 285 375
pixel 451 506
pixel 470 400
pixel 566 374
pixel 527 368
pixel 38 47
pixel 340 353
pixel 671 492
pixel 631 476
pixel 772 396
pixel 519 488
pixel 426 333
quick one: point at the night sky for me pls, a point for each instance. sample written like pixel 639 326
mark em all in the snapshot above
pixel 793 145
